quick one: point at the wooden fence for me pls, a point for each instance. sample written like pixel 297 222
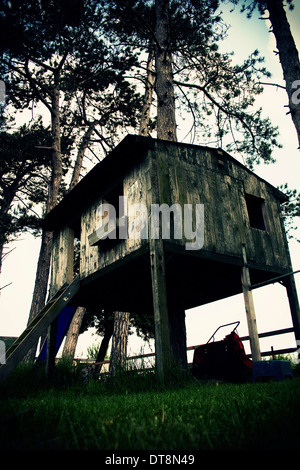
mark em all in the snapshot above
pixel 191 348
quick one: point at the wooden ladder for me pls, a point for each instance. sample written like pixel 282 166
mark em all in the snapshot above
pixel 37 327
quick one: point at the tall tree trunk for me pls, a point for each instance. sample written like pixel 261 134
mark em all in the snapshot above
pixel 119 342
pixel 43 266
pixel 166 121
pixel 56 176
pixel 1 256
pixel 109 329
pixel 41 283
pixel 7 199
pixel 288 55
pixel 73 333
pixel 178 335
pixel 80 154
pixel 121 322
pixel 166 129
pixel 150 80
pixel 74 329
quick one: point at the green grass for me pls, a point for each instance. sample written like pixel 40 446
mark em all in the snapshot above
pixel 136 412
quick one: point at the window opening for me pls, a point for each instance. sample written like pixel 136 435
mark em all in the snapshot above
pixel 108 230
pixel 256 209
pixel 113 198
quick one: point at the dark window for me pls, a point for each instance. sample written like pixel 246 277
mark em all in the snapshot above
pixel 256 209
pixel 108 231
pixel 112 197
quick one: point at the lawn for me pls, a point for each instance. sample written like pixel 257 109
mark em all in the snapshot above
pixel 140 414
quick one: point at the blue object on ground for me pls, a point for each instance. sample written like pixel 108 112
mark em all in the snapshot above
pixel 63 322
pixel 278 370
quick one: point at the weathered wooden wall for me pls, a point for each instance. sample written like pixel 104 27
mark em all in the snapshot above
pixel 97 257
pixel 196 175
pixel 62 269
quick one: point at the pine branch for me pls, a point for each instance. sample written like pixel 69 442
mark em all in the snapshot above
pixel 272 84
pixel 219 106
pixel 35 88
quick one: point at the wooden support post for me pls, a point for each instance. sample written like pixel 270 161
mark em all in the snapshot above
pixel 178 335
pixel 51 351
pixel 291 290
pixel 161 318
pixel 62 273
pixel 249 306
pixel 62 259
pixel 159 284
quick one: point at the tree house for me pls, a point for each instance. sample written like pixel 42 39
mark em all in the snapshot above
pixel 165 227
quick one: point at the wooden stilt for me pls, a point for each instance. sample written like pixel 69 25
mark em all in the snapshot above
pixel 249 306
pixel 291 290
pixel 158 276
pixel 62 272
pixel 62 259
pixel 178 334
pixel 161 320
pixel 51 351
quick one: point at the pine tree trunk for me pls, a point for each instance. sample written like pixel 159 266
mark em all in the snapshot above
pixel 41 284
pixel 109 329
pixel 119 342
pixel 8 195
pixel 43 266
pixel 288 55
pixel 145 115
pixel 80 155
pixel 1 256
pixel 56 176
pixel 74 329
pixel 73 333
pixel 166 121
pixel 121 323
pixel 178 336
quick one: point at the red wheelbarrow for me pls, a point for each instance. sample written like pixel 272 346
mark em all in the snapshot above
pixel 223 360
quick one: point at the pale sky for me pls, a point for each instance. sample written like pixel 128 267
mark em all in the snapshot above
pixel 271 305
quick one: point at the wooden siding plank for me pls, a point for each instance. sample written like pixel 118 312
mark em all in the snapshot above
pixel 62 259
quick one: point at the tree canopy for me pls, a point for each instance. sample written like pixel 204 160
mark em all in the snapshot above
pixel 24 169
pixel 210 93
